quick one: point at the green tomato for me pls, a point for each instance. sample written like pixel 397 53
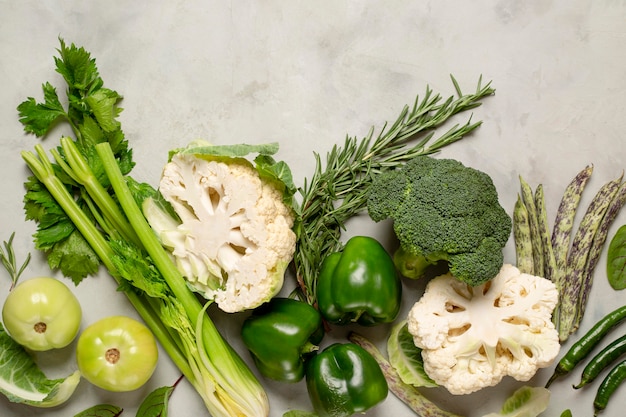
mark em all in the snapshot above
pixel 117 353
pixel 42 314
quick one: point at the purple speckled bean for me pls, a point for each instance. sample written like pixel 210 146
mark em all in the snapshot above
pixel 549 267
pixel 533 223
pixel 564 221
pixel 596 249
pixel 579 254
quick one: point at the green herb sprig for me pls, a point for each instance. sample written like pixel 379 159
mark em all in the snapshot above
pixel 337 190
pixel 7 256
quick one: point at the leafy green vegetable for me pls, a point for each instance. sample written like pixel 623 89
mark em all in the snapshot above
pixel 406 358
pixel 101 410
pixel 91 113
pixel 85 191
pixel 21 381
pixel 524 402
pixel 616 260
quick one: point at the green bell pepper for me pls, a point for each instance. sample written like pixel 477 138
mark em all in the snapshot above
pixel 359 284
pixel 344 379
pixel 280 335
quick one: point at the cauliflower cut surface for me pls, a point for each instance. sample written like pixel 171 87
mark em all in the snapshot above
pixel 236 239
pixel 471 337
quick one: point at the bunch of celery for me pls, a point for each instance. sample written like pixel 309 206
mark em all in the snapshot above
pixel 88 211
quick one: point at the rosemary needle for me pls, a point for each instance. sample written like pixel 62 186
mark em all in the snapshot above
pixel 338 188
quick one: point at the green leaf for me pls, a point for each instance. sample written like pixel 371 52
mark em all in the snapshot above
pixel 156 403
pixel 406 358
pixel 299 413
pixel 201 147
pixel 7 257
pixel 38 118
pixel 616 260
pixel 103 105
pixel 524 402
pixel 101 410
pixel 91 132
pixel 74 257
pixel 134 267
pixel 277 173
pixel 77 67
pixel 21 381
pixel 40 206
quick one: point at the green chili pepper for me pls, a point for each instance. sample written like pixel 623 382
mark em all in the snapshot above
pixel 587 342
pixel 359 284
pixel 281 335
pixel 609 385
pixel 344 379
pixel 600 361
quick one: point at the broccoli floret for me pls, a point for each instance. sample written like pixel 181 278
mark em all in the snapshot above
pixel 442 212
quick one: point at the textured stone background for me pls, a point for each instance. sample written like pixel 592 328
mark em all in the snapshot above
pixel 308 73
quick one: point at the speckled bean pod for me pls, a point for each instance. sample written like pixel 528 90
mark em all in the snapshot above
pixel 564 221
pixel 408 394
pixel 521 237
pixel 579 255
pixel 549 266
pixel 538 251
pixel 596 249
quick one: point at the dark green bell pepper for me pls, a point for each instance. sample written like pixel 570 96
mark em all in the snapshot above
pixel 344 379
pixel 280 335
pixel 359 284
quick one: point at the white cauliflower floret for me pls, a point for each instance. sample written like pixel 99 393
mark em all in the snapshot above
pixel 471 337
pixel 235 238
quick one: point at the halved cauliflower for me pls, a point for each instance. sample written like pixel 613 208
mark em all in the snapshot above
pixel 471 337
pixel 234 239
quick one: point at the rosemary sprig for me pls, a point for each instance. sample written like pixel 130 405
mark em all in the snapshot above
pixel 338 189
pixel 7 256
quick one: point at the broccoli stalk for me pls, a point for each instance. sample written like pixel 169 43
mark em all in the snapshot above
pixel 443 213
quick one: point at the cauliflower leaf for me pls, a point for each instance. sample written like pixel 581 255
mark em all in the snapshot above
pixel 524 402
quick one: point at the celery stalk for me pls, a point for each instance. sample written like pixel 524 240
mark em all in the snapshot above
pixel 226 384
pixel 42 169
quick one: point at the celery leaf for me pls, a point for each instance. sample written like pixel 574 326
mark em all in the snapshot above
pixel 38 118
pixel 91 112
pixel 74 257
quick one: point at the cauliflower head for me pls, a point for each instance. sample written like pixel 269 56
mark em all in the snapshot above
pixel 471 337
pixel 233 239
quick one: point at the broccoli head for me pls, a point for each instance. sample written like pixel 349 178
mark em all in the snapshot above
pixel 442 212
